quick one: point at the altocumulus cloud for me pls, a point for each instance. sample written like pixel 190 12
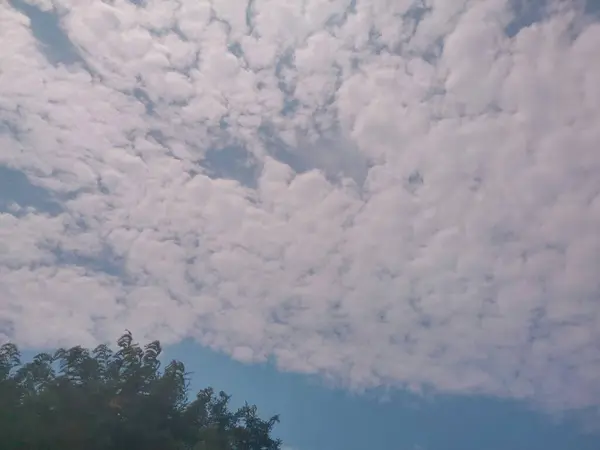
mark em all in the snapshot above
pixel 386 193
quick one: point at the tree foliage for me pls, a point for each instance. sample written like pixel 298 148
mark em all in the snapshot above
pixel 105 400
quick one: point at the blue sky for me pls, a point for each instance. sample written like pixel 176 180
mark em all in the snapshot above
pixel 317 417
pixel 370 196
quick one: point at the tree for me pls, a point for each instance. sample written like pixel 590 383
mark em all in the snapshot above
pixel 104 400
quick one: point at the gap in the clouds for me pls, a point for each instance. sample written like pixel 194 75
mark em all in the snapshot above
pixel 250 15
pixel 592 8
pixel 229 159
pixel 105 261
pixel 18 194
pixel 283 65
pixel 54 43
pixel 142 96
pixel 233 162
pixel 280 150
pixel 330 153
pixel 410 21
pixel 433 53
pixel 339 19
pixel 235 48
pixel 525 14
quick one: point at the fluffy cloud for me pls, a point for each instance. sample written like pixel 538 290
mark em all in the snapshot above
pixel 382 192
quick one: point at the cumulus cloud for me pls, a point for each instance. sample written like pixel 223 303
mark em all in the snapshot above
pixel 387 193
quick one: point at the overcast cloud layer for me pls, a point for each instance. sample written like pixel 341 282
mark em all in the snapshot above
pixel 386 192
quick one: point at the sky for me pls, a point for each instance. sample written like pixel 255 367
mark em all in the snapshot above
pixel 379 218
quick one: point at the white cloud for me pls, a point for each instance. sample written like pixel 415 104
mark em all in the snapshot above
pixel 460 249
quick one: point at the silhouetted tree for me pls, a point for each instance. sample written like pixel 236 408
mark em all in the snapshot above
pixel 103 400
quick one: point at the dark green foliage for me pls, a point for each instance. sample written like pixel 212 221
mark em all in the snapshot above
pixel 103 400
